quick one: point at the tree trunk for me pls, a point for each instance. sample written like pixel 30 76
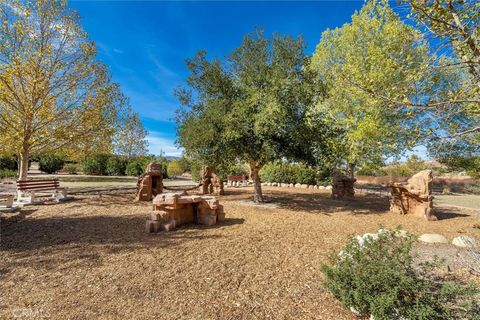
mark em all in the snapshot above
pixel 257 185
pixel 23 165
pixel 351 169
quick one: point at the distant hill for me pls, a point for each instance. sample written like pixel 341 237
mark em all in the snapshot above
pixel 169 158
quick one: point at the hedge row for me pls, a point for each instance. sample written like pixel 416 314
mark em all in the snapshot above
pixel 51 163
pixel 99 164
pixel 294 173
pixel 111 165
pixel 8 162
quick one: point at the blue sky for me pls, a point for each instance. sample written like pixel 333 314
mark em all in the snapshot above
pixel 145 44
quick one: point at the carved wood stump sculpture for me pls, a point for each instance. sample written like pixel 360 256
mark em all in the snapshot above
pixel 342 186
pixel 414 197
pixel 211 183
pixel 150 183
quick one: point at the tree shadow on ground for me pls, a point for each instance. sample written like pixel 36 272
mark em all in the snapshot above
pixel 317 202
pixel 71 240
pixel 128 231
pixel 443 213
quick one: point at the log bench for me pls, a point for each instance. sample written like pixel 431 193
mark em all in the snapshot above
pixel 36 191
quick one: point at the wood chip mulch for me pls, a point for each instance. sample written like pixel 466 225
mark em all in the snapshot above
pixel 92 259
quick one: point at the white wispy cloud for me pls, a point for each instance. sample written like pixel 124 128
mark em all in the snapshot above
pixel 117 51
pixel 157 143
pixel 164 71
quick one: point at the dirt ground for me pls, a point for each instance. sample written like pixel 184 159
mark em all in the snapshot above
pixel 91 258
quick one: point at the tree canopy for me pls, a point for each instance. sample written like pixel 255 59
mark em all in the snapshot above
pixel 255 108
pixel 54 94
pixel 454 26
pixel 368 66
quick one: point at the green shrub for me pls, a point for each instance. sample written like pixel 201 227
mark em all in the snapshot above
pixel 174 168
pixel 70 168
pixel 413 165
pixel 96 164
pixel 294 173
pixel 469 164
pixel 371 171
pixel 7 173
pixel 195 170
pixel 116 166
pixel 8 162
pixel 50 163
pixel 377 277
pixel 137 167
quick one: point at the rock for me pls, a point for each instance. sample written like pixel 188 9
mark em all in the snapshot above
pixel 274 184
pixel 303 186
pixel 373 236
pixel 281 185
pixel 464 242
pixel 315 187
pixel 321 187
pixel 355 312
pixel 297 185
pixel 432 238
pixel 291 185
pixel 328 188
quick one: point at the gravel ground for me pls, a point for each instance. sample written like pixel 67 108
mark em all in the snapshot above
pixel 91 258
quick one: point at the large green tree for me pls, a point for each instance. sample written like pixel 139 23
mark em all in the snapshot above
pixel 368 66
pixel 53 93
pixel 253 108
pixel 454 27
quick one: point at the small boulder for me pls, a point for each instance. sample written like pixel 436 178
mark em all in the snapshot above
pixel 291 185
pixel 297 185
pixel 432 238
pixel 328 188
pixel 464 242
